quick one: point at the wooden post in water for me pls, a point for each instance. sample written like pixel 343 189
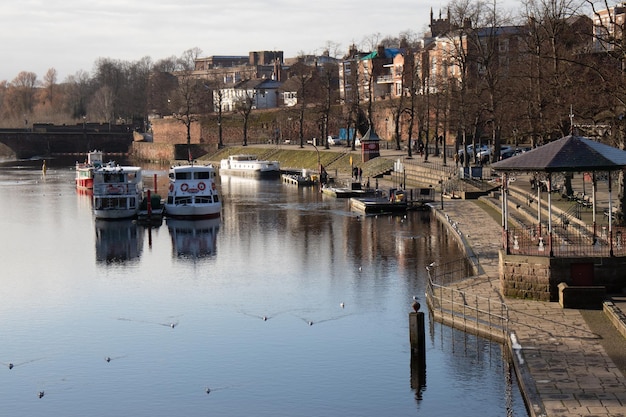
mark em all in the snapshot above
pixel 149 204
pixel 417 333
pixel 417 337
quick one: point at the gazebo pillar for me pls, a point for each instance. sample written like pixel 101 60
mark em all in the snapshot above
pixel 594 187
pixel 505 213
pixel 610 217
pixel 550 214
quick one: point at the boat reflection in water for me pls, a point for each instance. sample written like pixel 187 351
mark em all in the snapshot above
pixel 118 241
pixel 193 239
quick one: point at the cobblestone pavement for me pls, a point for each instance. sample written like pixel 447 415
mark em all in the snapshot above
pixel 564 370
pixel 567 371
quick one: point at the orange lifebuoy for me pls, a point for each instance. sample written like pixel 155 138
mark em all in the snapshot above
pixel 213 186
pixel 184 187
pixel 201 186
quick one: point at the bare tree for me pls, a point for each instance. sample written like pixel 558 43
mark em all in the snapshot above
pixel 21 94
pixel 243 106
pixel 303 76
pixel 188 94
pixel 50 85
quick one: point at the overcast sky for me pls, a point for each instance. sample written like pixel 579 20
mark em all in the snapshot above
pixel 70 35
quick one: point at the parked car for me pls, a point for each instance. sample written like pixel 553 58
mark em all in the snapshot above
pixel 484 156
pixel 470 151
pixel 507 153
pixel 335 141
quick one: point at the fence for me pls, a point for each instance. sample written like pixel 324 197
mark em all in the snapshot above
pixel 567 241
pixel 471 313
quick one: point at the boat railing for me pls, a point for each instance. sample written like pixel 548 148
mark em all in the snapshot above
pixel 115 188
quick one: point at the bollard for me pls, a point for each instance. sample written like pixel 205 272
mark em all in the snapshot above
pixel 149 204
pixel 417 333
pixel 417 336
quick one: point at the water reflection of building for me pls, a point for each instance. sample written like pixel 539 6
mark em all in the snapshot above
pixel 118 241
pixel 193 238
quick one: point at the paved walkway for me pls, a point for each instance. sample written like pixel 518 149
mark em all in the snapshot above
pixel 564 369
pixel 572 374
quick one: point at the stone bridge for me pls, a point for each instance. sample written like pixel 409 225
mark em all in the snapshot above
pixel 57 140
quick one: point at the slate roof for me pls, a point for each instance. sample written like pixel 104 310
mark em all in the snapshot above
pixel 568 154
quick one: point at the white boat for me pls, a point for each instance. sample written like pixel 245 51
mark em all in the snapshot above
pixel 84 170
pixel 117 191
pixel 249 166
pixel 192 193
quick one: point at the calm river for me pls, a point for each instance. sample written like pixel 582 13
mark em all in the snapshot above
pixel 112 319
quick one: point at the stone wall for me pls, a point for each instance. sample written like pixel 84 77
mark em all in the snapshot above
pixel 526 277
pixel 538 277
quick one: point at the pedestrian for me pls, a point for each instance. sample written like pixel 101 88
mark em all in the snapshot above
pixel 456 160
pixel 360 174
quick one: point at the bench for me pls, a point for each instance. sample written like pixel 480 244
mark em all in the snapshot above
pixel 583 297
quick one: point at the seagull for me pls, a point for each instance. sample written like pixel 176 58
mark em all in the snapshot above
pixel 415 298
pixel 41 394
pixel 342 305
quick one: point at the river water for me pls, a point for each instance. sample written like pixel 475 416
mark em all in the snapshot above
pixel 114 319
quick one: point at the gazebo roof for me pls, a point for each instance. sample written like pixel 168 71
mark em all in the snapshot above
pixel 571 154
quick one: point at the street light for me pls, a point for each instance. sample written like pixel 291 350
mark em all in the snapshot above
pixel 319 163
pixel 441 194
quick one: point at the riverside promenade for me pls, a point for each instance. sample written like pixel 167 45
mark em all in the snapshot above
pixel 564 368
pixel 569 362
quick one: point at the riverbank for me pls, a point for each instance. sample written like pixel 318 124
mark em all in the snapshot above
pixel 569 362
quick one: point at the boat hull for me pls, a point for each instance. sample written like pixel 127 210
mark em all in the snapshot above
pixel 110 214
pixel 249 173
pixel 191 212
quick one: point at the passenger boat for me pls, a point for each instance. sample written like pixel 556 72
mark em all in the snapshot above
pixel 249 166
pixel 84 170
pixel 192 193
pixel 117 191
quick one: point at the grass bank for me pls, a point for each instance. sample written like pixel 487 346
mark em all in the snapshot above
pixel 335 160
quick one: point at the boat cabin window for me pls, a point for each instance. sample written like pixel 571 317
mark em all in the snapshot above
pixel 205 199
pixel 203 175
pixel 113 178
pixel 183 175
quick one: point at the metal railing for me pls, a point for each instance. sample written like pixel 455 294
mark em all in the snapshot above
pixel 567 241
pixel 465 311
pixel 470 313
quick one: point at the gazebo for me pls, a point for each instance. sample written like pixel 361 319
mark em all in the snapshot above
pixel 571 154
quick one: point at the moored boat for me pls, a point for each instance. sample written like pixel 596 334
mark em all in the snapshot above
pixel 193 193
pixel 117 191
pixel 249 166
pixel 84 170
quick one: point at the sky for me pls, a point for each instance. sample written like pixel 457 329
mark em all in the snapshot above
pixel 71 35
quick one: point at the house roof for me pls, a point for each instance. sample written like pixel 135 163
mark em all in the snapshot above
pixel 568 154
pixel 258 83
pixel 390 53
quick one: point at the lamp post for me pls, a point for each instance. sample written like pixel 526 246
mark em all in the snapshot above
pixel 441 193
pixel 319 165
